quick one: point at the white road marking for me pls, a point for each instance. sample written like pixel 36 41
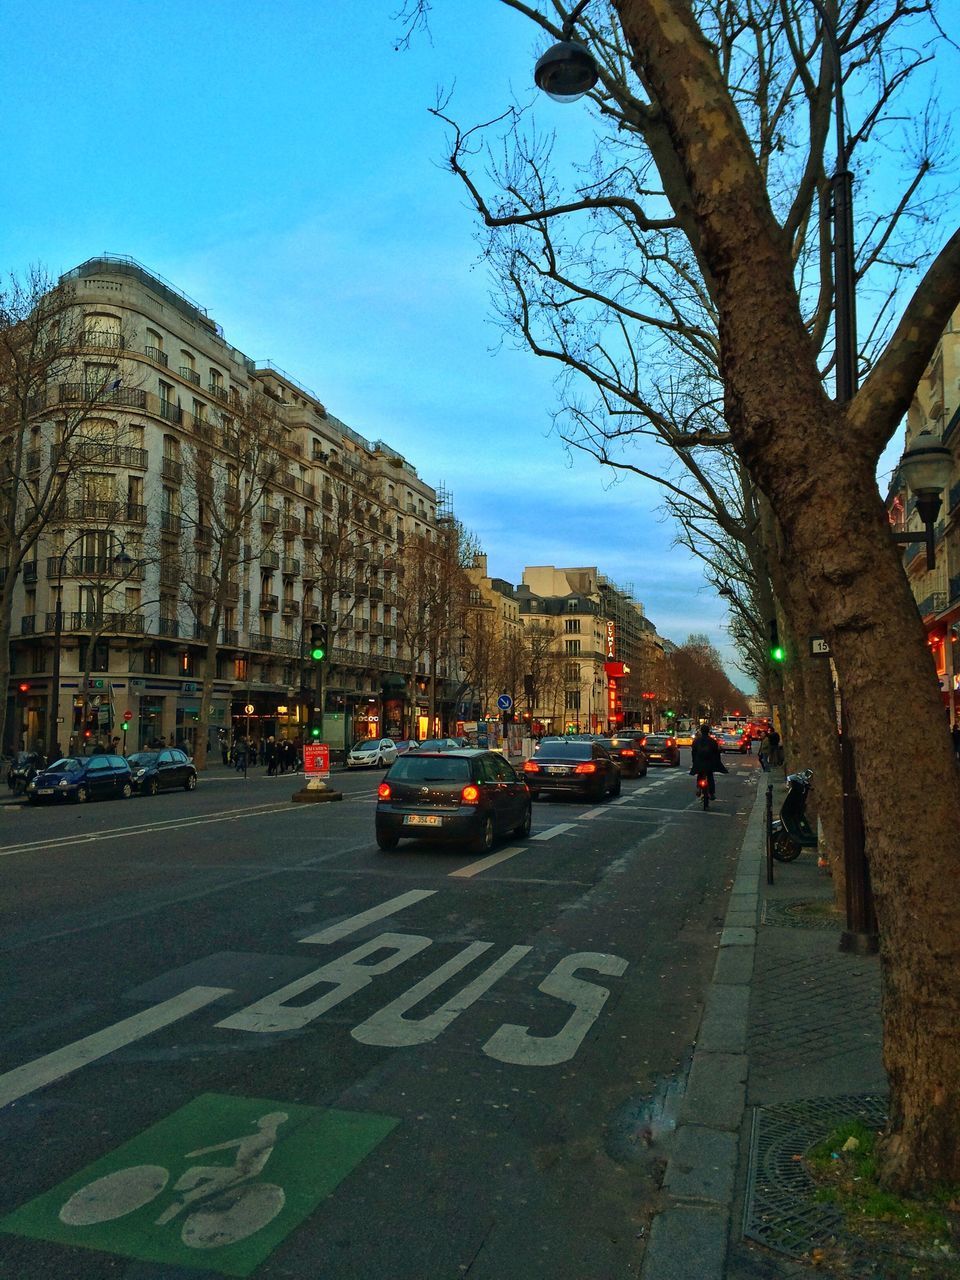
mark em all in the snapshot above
pixel 54 1066
pixel 554 831
pixel 513 1043
pixel 593 813
pixel 474 868
pixel 336 931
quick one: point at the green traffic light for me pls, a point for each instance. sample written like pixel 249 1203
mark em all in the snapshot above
pixel 315 732
pixel 317 653
pixel 776 655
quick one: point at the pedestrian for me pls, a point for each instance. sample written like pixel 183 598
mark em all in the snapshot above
pixel 290 755
pixel 224 748
pixel 955 735
pixel 270 756
pixel 240 754
pixel 771 750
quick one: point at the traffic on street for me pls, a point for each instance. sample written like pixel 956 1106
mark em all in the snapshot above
pixel 240 1037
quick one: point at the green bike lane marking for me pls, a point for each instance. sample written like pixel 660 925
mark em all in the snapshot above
pixel 217 1185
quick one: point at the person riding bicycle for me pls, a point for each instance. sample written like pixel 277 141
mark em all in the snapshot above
pixel 706 758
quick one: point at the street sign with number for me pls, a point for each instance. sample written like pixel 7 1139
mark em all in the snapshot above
pixel 818 645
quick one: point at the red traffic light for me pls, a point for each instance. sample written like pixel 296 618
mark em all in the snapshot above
pixel 24 686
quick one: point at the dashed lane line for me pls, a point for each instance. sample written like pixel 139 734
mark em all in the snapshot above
pixel 474 868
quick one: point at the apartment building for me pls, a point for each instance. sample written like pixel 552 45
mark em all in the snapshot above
pixel 131 550
pixel 605 650
pixel 936 408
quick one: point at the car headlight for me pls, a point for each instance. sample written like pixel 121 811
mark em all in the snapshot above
pixel 64 782
pixel 138 773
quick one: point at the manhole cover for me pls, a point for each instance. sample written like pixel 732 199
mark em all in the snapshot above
pixel 817 913
pixel 780 1210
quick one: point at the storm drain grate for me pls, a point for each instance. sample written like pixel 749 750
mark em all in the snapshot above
pixel 804 914
pixel 780 1210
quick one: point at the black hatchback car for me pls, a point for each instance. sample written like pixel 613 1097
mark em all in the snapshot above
pixel 167 770
pixel 467 796
pixel 661 748
pixel 82 778
pixel 629 755
pixel 572 767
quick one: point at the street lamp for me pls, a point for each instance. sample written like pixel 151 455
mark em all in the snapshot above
pixel 567 70
pixel 926 468
pixel 121 559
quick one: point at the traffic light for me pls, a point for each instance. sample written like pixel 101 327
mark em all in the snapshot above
pixel 319 644
pixel 776 648
pixel 670 714
pixel 315 732
pixel 24 686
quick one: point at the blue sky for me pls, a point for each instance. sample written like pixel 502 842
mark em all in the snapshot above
pixel 279 165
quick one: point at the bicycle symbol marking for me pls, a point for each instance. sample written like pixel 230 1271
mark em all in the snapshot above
pixel 229 1205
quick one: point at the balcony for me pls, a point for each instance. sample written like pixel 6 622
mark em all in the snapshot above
pixel 309 532
pixel 201 583
pixel 269 560
pixel 229 635
pixel 203 536
pixel 291 523
pixel 28 624
pixel 172 469
pixel 106 623
pixel 156 355
pixel 269 603
pixel 33 459
pixel 309 490
pixel 287 648
pixel 102 340
pixel 291 608
pixel 389 631
pixel 270 515
pixel 97 567
pixel 260 641
pixel 170 573
pixel 326 500
pixel 171 412
pixel 83 393
pixel 189 375
pixel 311 612
pixel 202 631
pixel 30 572
pixel 231 495
pixel 361 625
pixel 291 567
pixel 376 593
pixel 219 392
pixel 233 592
pixel 170 522
pixel 169 627
pixel 110 455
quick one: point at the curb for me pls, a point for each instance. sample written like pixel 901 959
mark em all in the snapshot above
pixel 689 1236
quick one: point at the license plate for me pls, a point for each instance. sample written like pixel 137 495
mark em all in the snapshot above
pixel 44 791
pixel 421 820
pixel 557 768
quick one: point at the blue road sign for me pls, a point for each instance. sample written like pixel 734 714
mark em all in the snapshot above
pixel 504 702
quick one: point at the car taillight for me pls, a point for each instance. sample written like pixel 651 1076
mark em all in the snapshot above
pixel 531 766
pixel 383 791
pixel 628 751
pixel 587 767
pixel 671 742
pixel 470 794
pixel 643 742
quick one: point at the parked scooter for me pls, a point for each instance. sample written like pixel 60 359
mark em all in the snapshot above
pixel 792 832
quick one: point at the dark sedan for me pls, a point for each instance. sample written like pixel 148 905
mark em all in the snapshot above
pixel 629 755
pixel 167 770
pixel 82 778
pixel 465 796
pixel 660 748
pixel 572 767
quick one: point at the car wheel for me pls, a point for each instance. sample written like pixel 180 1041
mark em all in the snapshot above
pixel 599 792
pixel 617 787
pixel 385 842
pixel 191 782
pixel 126 791
pixel 81 795
pixel 153 786
pixel 483 843
pixel 523 830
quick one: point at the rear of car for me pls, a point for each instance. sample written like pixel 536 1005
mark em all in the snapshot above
pixel 729 740
pixel 629 755
pixel 661 748
pixel 464 797
pixel 570 767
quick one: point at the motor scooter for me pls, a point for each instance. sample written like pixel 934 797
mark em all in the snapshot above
pixel 792 832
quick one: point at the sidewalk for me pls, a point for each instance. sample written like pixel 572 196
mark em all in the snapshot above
pixel 789 1044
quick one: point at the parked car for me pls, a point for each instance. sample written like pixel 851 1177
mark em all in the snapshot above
pixel 24 766
pixel 468 796
pixel 661 748
pixel 405 745
pixel 82 778
pixel 572 766
pixel 628 753
pixel 166 770
pixel 372 753
pixel 443 744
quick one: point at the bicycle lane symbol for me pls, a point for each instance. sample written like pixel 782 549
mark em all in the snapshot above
pixel 154 1200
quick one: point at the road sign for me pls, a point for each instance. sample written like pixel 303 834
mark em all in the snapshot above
pixel 128 715
pixel 818 645
pixel 504 702
pixel 316 759
pixel 249 709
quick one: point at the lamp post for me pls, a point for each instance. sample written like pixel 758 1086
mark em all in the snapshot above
pixel 121 558
pixel 926 468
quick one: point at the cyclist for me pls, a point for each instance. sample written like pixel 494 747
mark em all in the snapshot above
pixel 706 758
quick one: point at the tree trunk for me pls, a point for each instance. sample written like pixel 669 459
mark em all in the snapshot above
pixel 6 615
pixel 206 694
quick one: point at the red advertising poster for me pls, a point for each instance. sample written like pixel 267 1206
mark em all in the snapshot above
pixel 316 760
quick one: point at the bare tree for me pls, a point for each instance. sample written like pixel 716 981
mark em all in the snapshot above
pixel 711 195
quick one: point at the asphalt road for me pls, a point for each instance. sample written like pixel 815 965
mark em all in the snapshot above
pixel 237 1039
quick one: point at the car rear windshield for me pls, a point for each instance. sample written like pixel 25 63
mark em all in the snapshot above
pixel 417 768
pixel 618 743
pixel 656 740
pixel 566 750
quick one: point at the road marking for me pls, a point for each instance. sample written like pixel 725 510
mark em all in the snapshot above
pixel 624 799
pixel 334 932
pixel 54 1066
pixel 474 868
pixel 593 813
pixel 168 824
pixel 554 831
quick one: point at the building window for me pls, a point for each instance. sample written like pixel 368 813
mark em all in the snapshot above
pixel 151 662
pixel 571 647
pixel 571 625
pixel 572 700
pixel 572 671
pixel 186 664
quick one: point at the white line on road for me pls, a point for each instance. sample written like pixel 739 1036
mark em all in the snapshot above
pixel 554 831
pixel 54 1066
pixel 593 813
pixel 474 868
pixel 336 931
